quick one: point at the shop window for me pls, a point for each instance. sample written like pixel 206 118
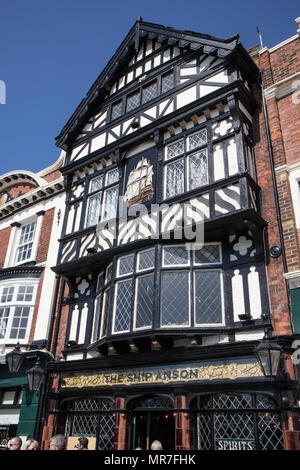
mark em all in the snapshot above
pixel 94 418
pixel 232 421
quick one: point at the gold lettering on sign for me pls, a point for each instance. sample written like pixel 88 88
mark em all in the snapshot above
pixel 230 371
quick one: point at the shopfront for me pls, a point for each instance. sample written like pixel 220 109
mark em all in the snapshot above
pixel 201 405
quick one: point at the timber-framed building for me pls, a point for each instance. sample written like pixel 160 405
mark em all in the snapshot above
pixel 157 336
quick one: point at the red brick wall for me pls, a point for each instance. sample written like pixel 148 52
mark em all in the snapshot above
pixel 275 270
pixel 4 240
pixel 289 113
pixel 45 235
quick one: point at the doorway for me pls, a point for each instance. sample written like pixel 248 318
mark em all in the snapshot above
pixel 149 426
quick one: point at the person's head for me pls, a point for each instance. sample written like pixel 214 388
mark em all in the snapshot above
pixel 31 444
pixel 15 443
pixel 156 445
pixel 83 443
pixel 58 442
pixel 138 448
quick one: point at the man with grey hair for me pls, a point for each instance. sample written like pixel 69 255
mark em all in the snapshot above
pixel 15 443
pixel 58 442
pixel 156 445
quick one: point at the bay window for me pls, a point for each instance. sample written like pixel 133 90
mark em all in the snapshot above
pixel 184 290
pixel 16 310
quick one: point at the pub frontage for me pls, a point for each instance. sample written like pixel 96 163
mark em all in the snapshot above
pixel 172 316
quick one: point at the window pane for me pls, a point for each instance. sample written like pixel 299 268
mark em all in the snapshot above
pixel 207 254
pixel 112 176
pixel 175 299
pixel 7 294
pixel 116 110
pixel 174 183
pixel 110 203
pixel 174 150
pixel 27 233
pixel 149 92
pixel 123 301
pixel 20 322
pixel 96 318
pixel 104 321
pixel 146 259
pixel 25 293
pixel 24 252
pixel 96 183
pixel 208 299
pixel 93 212
pixel 176 255
pixel 133 101
pixel 197 139
pixel 8 397
pixel 167 82
pixel 198 174
pixel 4 314
pixel 144 301
pixel 125 265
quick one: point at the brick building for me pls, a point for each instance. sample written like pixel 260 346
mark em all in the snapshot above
pixel 280 69
pixel 31 213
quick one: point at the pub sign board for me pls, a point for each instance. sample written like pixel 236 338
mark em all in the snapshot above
pixel 195 372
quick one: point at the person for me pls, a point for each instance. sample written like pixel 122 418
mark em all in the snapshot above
pixel 15 443
pixel 58 442
pixel 83 443
pixel 31 444
pixel 138 448
pixel 156 445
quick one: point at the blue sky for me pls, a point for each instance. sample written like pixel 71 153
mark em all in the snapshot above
pixel 53 50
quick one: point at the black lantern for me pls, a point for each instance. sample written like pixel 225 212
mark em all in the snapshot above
pixel 14 359
pixel 35 376
pixel 268 356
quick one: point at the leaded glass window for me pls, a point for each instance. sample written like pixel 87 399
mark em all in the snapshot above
pixel 123 306
pixel 144 301
pixel 102 201
pixel 92 417
pixel 133 101
pixel 188 284
pixel 208 298
pixel 234 421
pixel 175 309
pixel 149 92
pixel 185 169
pixel 167 82
pixel 116 110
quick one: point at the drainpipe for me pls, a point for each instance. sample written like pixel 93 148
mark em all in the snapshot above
pixel 285 268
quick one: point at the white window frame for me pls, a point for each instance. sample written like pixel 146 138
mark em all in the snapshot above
pixel 16 283
pixel 11 256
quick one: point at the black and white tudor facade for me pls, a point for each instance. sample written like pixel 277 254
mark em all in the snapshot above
pixel 160 333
